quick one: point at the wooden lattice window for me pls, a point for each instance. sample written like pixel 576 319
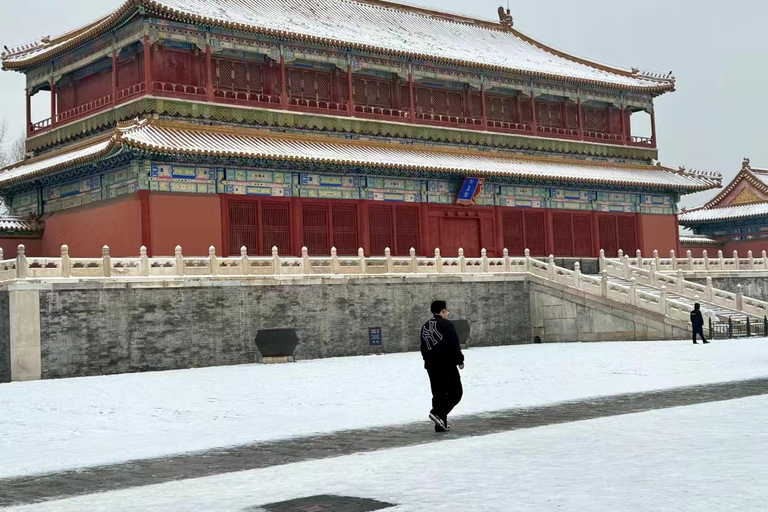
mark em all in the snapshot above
pixel 626 234
pixel 405 97
pixel 535 233
pixel 315 227
pixel 549 113
pixel 595 119
pixel 476 103
pixel 407 226
pixel 381 230
pixel 500 108
pixel 373 93
pixel 514 235
pixel 309 84
pixel 526 115
pixel 572 116
pixel 230 75
pixel 582 230
pixel 563 234
pixel 275 228
pixel 243 227
pixel 344 222
pixel 606 225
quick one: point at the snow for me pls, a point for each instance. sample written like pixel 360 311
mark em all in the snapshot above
pixel 61 424
pixel 392 29
pixel 181 139
pixel 708 457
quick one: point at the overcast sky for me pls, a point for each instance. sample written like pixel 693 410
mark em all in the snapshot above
pixel 717 49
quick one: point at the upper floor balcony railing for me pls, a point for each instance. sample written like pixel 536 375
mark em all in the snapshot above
pixel 325 93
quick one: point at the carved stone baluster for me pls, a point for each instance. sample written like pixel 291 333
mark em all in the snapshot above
pixel 213 262
pixel 277 268
pixel 66 263
pixel 21 262
pixel 438 261
pixel 180 269
pixel 106 261
pixel 143 262
pixel 361 256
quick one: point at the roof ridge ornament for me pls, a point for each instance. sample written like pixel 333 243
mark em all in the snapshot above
pixel 637 72
pixel 745 165
pixel 505 18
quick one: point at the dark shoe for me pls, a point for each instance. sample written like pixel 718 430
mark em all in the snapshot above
pixel 438 420
pixel 706 342
pixel 440 429
pixel 695 342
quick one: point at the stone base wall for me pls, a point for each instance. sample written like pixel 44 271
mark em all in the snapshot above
pixel 562 314
pixel 93 330
pixel 115 326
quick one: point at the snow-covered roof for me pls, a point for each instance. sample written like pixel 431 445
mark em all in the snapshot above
pixel 374 25
pixel 62 159
pixel 188 139
pixel 739 211
pixel 698 240
pixel 10 224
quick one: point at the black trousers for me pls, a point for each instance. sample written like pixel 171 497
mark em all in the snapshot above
pixel 446 389
pixel 700 332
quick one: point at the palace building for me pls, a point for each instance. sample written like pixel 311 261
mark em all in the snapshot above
pixel 337 123
pixel 734 220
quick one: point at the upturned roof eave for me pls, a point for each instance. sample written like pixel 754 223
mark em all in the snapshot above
pixel 75 38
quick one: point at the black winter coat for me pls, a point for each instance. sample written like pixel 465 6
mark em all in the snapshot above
pixel 697 319
pixel 440 344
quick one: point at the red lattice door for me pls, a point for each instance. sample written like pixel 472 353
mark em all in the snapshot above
pixel 563 234
pixel 535 233
pixel 344 222
pixel 582 234
pixel 626 234
pixel 514 235
pixel 407 230
pixel 275 228
pixel 606 225
pixel 381 231
pixel 243 227
pixel 315 227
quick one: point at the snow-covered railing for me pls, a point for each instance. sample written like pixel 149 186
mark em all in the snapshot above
pixel 24 267
pixel 628 268
pixel 689 263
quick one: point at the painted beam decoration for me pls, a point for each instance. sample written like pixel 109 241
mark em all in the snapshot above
pixel 469 191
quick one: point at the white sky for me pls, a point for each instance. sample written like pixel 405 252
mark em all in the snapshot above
pixel 716 48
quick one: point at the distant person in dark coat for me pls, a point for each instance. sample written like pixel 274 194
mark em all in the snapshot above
pixel 442 355
pixel 697 321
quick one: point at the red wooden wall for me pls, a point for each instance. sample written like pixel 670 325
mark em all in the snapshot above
pixel 291 223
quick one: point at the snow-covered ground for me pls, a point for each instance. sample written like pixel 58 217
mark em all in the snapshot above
pixel 702 458
pixel 53 425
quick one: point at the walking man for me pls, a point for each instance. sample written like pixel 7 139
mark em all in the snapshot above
pixel 442 355
pixel 697 321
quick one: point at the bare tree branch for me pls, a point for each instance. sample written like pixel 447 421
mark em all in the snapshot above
pixel 18 150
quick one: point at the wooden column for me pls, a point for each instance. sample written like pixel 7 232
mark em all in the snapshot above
pixel 351 92
pixel 283 84
pixel 147 66
pixel 412 97
pixel 208 72
pixel 595 235
pixel 653 126
pixel 114 77
pixel 549 232
pixel 581 120
pixel 623 127
pixel 53 103
pixel 533 113
pixel 146 224
pixel 29 112
pixel 483 112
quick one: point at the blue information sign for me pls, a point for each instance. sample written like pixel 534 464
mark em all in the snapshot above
pixel 469 190
pixel 374 336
